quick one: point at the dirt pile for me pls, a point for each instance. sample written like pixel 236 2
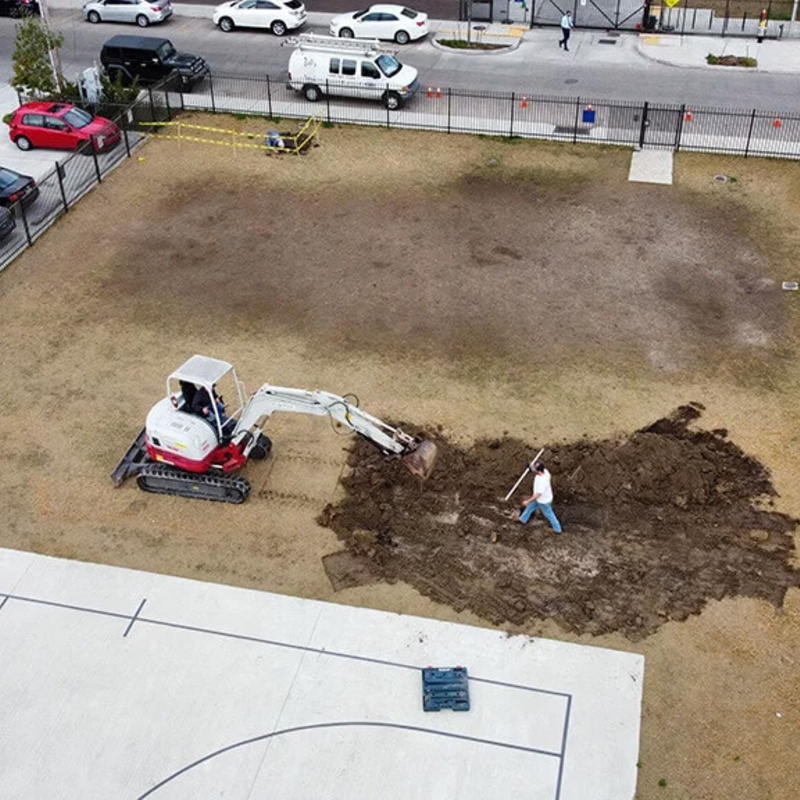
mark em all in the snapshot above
pixel 656 523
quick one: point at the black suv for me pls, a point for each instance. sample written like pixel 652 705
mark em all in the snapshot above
pixel 149 60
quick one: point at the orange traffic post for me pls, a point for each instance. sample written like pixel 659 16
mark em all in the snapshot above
pixel 524 103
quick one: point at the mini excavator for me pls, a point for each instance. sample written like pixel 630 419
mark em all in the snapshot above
pixel 193 449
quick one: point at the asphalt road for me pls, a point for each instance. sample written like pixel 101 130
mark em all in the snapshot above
pixel 532 69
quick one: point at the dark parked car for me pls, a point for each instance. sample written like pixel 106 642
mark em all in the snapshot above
pixel 18 8
pixel 7 223
pixel 148 60
pixel 16 188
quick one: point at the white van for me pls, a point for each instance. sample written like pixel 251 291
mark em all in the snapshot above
pixel 349 68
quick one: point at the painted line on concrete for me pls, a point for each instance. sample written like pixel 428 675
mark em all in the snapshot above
pixel 365 724
pixel 134 618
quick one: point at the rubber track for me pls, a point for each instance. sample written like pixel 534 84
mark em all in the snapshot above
pixel 167 480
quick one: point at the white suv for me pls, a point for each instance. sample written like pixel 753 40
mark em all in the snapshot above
pixel 277 15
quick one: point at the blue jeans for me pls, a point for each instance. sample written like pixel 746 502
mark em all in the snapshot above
pixel 547 511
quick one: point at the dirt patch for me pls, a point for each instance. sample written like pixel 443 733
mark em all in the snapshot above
pixel 657 524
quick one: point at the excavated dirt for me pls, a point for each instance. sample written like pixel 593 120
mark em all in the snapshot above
pixel 656 524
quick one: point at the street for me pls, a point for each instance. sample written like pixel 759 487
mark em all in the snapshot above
pixel 593 69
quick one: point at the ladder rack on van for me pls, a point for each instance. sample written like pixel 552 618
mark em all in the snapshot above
pixel 334 43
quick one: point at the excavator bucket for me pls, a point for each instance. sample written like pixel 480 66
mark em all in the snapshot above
pixel 420 461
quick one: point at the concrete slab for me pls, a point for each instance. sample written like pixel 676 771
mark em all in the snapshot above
pixel 651 166
pixel 120 684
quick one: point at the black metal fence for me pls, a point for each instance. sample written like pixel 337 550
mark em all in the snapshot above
pixel 748 132
pixel 81 171
pixel 701 17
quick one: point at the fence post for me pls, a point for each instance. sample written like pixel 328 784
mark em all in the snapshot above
pixel 124 126
pixel 60 176
pixel 577 118
pixel 449 92
pixel 166 103
pixel 750 133
pixel 152 104
pixel 328 99
pixel 269 97
pixel 679 128
pixel 511 127
pixel 643 126
pixel 25 224
pixel 96 162
pixel 211 87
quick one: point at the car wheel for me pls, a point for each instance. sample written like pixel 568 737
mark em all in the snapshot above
pixel 311 92
pixel 402 37
pixel 392 101
pixel 278 27
pixel 142 21
pixel 23 142
pixel 226 24
pixel 93 17
pixel 346 33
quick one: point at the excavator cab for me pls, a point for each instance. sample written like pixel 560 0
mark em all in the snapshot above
pixel 191 387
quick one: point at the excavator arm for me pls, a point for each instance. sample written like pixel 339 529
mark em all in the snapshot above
pixel 418 455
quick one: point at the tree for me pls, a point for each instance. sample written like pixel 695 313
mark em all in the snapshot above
pixel 34 59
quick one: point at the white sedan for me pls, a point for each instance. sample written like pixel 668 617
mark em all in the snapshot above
pixel 142 12
pixel 382 22
pixel 277 15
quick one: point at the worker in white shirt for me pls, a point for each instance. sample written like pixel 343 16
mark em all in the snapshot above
pixel 566 26
pixel 542 498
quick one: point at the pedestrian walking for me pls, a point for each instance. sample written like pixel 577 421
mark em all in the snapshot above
pixel 566 27
pixel 541 499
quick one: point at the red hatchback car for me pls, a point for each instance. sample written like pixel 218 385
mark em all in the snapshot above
pixel 60 126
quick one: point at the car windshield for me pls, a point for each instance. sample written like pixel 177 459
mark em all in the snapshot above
pixel 361 13
pixel 389 65
pixel 294 4
pixel 77 117
pixel 409 12
pixel 166 51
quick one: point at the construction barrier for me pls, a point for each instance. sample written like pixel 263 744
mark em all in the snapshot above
pixel 296 143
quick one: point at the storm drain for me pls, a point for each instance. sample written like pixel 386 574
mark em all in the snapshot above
pixel 572 130
pixel 606 41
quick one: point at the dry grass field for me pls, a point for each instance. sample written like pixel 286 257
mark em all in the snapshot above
pixel 472 287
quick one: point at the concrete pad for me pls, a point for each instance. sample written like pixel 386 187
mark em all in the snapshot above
pixel 651 166
pixel 117 683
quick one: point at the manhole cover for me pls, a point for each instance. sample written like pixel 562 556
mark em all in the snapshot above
pixel 721 178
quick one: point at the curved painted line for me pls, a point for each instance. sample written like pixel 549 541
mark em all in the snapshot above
pixel 299 728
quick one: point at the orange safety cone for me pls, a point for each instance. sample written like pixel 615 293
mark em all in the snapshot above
pixel 430 91
pixel 777 123
pixel 439 91
pixel 524 103
pixel 688 116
